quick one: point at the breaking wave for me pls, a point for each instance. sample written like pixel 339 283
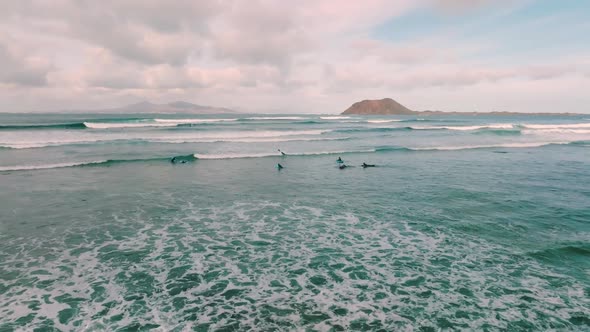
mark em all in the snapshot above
pixel 106 162
pixel 334 117
pixel 464 128
pixel 379 149
pixel 74 125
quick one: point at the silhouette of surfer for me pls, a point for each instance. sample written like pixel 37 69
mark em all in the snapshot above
pixel 173 160
pixel 340 161
pixel 365 165
pixel 279 167
pixel 282 153
pixel 343 166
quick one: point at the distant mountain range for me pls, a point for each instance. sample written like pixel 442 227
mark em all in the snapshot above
pixel 388 106
pixel 173 107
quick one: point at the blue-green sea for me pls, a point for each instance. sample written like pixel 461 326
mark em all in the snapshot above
pixel 467 223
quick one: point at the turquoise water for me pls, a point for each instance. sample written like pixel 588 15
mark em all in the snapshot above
pixel 466 223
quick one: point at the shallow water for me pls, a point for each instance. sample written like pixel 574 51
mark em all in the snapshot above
pixel 485 227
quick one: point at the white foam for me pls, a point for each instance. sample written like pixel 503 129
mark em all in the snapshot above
pixel 466 128
pixel 263 155
pixel 557 126
pixel 112 125
pixel 33 145
pixel 57 138
pixel 501 145
pixel 383 121
pixel 357 238
pixel 276 118
pixel 557 131
pixel 195 121
pixel 247 140
pixel 334 117
pixel 47 166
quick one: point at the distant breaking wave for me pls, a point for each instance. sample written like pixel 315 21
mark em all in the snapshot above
pixel 49 166
pixel 199 137
pixel 263 155
pixel 198 156
pixel 106 162
pixel 179 121
pixel 334 117
pixel 383 121
pixel 499 145
pixel 377 130
pixel 114 124
pixel 275 118
pixel 464 128
pixel 75 125
pixel 557 126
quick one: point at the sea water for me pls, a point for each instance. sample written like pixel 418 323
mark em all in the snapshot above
pixel 466 223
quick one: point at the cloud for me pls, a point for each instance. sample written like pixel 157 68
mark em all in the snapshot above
pixel 148 31
pixel 17 68
pixel 260 53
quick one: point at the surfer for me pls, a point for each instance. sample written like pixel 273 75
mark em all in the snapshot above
pixel 339 160
pixel 282 153
pixel 173 160
pixel 365 165
pixel 279 167
pixel 343 166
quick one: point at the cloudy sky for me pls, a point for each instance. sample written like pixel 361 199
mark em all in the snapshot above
pixel 310 56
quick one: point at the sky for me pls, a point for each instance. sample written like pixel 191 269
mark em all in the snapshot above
pixel 307 56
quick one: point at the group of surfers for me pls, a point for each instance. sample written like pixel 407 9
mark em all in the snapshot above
pixel 339 161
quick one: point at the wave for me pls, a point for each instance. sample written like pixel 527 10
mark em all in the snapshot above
pixel 488 146
pixel 200 137
pixel 193 121
pixel 580 143
pixel 36 145
pixel 391 148
pixel 334 117
pixel 197 156
pixel 49 166
pixel 575 251
pixel 74 125
pixel 383 121
pixel 465 128
pixel 305 122
pixel 114 125
pixel 557 126
pixel 557 131
pixel 106 162
pixel 500 145
pixel 250 140
pixel 275 118
pixel 499 132
pixel 424 120
pixel 266 155
pixel 377 130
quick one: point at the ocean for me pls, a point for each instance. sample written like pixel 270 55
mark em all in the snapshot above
pixel 466 223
